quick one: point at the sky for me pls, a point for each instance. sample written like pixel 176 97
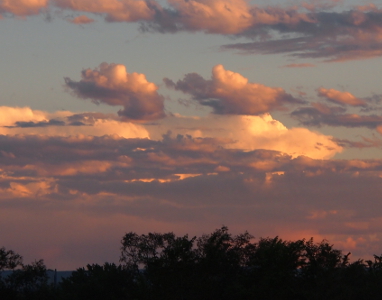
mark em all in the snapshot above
pixel 184 116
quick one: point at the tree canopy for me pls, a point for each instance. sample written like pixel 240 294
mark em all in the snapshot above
pixel 218 265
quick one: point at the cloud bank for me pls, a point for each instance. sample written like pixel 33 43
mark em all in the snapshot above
pixel 87 191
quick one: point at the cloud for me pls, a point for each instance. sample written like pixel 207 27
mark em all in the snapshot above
pixel 299 66
pixel 112 85
pixel 179 182
pixel 334 36
pixel 39 124
pixel 320 114
pixel 306 31
pixel 81 20
pixel 364 143
pixel 227 17
pixel 213 16
pixel 115 10
pixel 25 121
pixel 231 93
pixel 249 133
pixel 342 98
pixel 10 115
pixel 22 7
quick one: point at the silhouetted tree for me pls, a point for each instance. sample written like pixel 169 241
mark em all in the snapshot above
pixel 99 282
pixel 9 259
pixel 218 265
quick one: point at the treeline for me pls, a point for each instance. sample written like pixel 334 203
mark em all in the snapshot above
pixel 215 266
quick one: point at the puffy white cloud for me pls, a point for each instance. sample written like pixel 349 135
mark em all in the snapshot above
pixel 10 115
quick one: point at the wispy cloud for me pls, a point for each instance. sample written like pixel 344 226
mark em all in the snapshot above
pixel 81 20
pixel 306 65
pixel 342 98
pixel 320 114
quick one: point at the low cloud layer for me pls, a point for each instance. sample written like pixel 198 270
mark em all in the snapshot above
pixel 245 133
pixel 90 190
pixel 248 133
pixel 112 85
pixel 25 121
pixel 228 92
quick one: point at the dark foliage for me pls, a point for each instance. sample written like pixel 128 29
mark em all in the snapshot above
pixel 214 266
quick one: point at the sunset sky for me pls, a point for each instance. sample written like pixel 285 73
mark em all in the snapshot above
pixel 186 115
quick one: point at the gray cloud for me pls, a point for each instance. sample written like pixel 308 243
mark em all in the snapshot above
pixel 319 115
pixel 333 36
pixel 52 122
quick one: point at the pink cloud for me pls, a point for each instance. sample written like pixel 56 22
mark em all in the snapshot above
pixel 81 20
pixel 115 10
pixel 228 92
pixel 250 133
pixel 178 184
pixel 22 7
pixel 112 85
pixel 343 98
pixel 315 30
pixel 217 16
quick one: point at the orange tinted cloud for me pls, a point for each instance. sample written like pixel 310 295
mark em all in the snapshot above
pixel 321 32
pixel 218 16
pixel 82 20
pixel 111 84
pixel 115 10
pixel 228 92
pixel 178 182
pixel 250 133
pixel 343 98
pixel 25 121
pixel 22 7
